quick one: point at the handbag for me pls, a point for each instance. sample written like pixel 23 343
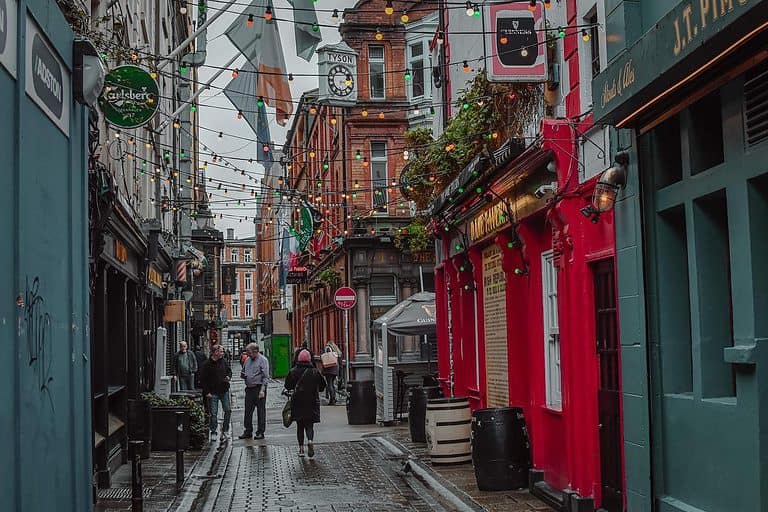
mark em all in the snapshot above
pixel 287 419
pixel 329 359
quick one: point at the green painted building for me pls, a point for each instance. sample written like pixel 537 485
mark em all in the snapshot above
pixel 687 89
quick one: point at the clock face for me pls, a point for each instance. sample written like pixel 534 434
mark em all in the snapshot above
pixel 341 81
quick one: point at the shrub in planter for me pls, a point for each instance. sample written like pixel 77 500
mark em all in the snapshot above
pixel 197 419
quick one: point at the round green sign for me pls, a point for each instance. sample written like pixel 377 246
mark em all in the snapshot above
pixel 130 97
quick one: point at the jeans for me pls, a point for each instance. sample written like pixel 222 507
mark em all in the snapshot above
pixel 301 427
pixel 330 387
pixel 224 399
pixel 252 401
pixel 186 382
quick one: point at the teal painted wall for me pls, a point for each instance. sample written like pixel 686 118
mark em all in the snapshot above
pixel 45 384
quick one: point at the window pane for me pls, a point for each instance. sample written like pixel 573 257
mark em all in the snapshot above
pixel 418 78
pixel 417 49
pixel 375 53
pixel 382 285
pixel 378 149
pixel 377 79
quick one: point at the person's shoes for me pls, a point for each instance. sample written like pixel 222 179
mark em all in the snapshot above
pixel 245 435
pixel 332 402
pixel 311 449
pixel 258 436
pixel 212 436
pixel 301 451
pixel 224 436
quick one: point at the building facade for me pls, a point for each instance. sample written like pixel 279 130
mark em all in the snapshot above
pixel 684 88
pixel 239 292
pixel 525 272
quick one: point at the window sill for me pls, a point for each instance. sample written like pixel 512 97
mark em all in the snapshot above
pixel 553 412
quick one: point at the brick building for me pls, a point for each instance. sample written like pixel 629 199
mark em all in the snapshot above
pixel 346 164
pixel 238 267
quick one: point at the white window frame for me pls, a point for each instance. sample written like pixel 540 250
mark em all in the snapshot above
pixel 235 308
pixel 247 256
pixel 426 59
pixel 233 257
pixel 383 62
pixel 553 371
pixel 248 308
pixel 384 190
pixel 383 300
pixel 248 278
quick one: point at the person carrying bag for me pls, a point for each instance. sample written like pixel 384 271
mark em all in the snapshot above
pixel 305 382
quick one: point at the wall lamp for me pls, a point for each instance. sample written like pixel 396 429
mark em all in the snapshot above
pixel 608 185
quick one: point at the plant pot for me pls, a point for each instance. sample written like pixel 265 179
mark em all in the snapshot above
pixel 164 428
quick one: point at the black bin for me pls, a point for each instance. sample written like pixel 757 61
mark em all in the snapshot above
pixel 140 425
pixel 417 409
pixel 164 428
pixel 361 402
pixel 501 453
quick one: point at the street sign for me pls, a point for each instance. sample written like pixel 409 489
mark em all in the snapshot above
pixel 297 275
pixel 130 97
pixel 345 298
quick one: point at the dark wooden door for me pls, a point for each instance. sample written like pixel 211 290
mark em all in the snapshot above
pixel 609 420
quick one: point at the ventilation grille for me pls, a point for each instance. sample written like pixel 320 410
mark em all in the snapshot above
pixel 756 106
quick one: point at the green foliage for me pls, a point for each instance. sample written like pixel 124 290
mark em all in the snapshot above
pixel 415 237
pixel 487 114
pixel 198 426
pixel 330 277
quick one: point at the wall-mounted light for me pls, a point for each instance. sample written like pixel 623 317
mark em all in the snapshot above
pixel 608 185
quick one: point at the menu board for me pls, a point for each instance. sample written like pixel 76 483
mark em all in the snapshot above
pixel 495 328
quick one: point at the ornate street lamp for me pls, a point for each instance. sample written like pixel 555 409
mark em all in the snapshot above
pixel 608 185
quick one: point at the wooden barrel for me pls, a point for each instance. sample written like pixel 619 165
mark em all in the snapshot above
pixel 448 426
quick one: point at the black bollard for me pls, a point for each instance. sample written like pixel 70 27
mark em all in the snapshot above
pixel 137 483
pixel 179 450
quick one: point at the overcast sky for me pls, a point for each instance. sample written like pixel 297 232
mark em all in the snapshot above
pixel 217 114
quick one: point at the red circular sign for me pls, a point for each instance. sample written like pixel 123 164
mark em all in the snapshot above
pixel 345 298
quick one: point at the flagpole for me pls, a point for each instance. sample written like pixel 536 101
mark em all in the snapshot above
pixel 183 45
pixel 192 98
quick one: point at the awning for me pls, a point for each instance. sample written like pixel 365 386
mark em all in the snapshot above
pixel 415 316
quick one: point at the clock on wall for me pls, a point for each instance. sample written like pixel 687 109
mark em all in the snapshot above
pixel 338 63
pixel 340 80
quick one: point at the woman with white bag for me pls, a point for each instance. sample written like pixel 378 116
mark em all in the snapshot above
pixel 330 372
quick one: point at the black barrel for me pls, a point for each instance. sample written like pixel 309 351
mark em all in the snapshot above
pixel 140 425
pixel 501 453
pixel 417 409
pixel 361 402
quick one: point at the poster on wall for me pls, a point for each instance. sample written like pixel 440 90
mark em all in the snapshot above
pixel 47 80
pixel 516 42
pixel 8 13
pixel 495 328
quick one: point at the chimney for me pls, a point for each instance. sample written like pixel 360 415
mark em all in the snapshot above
pixel 230 233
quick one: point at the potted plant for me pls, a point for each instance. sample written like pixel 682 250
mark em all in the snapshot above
pixel 164 422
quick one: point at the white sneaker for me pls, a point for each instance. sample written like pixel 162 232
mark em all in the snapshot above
pixel 224 436
pixel 212 436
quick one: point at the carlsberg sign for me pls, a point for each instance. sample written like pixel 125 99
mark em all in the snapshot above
pixel 130 97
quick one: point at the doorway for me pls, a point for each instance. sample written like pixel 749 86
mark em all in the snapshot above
pixel 609 404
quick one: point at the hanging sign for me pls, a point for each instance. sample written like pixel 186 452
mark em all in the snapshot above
pixel 8 13
pixel 47 80
pixel 516 42
pixel 130 97
pixel 297 275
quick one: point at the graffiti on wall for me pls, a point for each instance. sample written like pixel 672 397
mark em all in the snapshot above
pixel 37 328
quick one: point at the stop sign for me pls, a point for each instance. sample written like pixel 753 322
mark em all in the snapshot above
pixel 345 298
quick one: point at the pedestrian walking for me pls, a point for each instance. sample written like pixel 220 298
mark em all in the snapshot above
pixel 330 372
pixel 184 367
pixel 255 374
pixel 214 377
pixel 305 381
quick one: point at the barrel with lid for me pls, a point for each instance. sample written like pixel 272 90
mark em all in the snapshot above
pixel 361 402
pixel 417 410
pixel 501 453
pixel 448 427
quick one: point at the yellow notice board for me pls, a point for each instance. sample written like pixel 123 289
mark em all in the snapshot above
pixel 495 328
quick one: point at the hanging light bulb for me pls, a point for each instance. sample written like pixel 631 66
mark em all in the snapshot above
pixel 465 67
pixel 389 9
pixel 524 52
pixel 333 120
pixel 268 13
pixel 290 77
pixel 416 111
pixel 584 35
pixel 193 108
pixel 249 21
pixel 335 17
pixel 235 72
pixel 176 124
pixel 153 74
pixel 404 17
pixel 183 68
pixel 348 81
pixel 503 40
pixel 532 5
pixel 381 115
pixel 560 32
pixel 221 134
pixel 313 109
pixel 311 153
pixel 440 37
pixel 315 27
pixel 134 57
pixel 547 4
pixel 406 154
pixel 356 184
pixel 379 36
pixel 407 75
pixel 265 148
pixel 358 156
pixel 470 11
pixel 260 101
pixel 476 11
pixel 364 113
pixel 365 161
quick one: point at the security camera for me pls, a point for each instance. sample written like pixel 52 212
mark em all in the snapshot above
pixel 542 190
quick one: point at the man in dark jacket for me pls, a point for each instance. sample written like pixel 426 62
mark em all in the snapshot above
pixel 184 367
pixel 214 379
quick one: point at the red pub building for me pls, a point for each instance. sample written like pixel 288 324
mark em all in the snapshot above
pixel 525 278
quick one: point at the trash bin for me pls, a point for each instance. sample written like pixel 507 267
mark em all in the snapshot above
pixel 361 402
pixel 448 430
pixel 417 410
pixel 140 425
pixel 164 428
pixel 501 453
